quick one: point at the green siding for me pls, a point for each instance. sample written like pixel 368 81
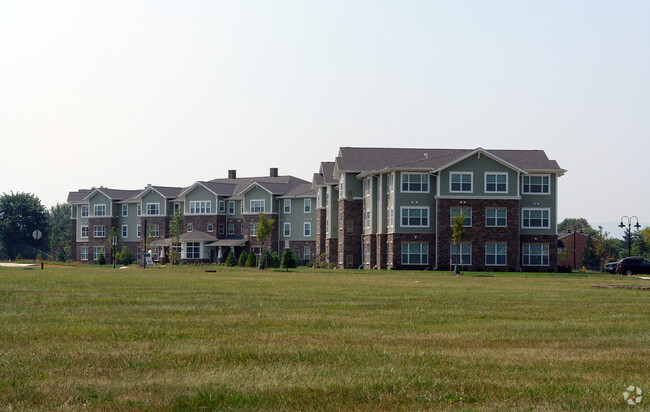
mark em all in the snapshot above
pixel 153 197
pixel 257 193
pixel 132 221
pixel 297 218
pixel 201 194
pixel 542 201
pixel 478 167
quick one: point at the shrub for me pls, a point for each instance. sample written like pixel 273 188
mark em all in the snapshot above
pixel 231 260
pixel 125 257
pixel 242 258
pixel 62 256
pixel 251 259
pixel 289 260
pixel 101 260
pixel 274 260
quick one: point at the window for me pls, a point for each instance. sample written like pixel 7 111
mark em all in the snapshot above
pixel 496 183
pixel 84 212
pixel 231 207
pixel 496 217
pixel 460 182
pixel 536 218
pixel 253 229
pixel 177 207
pixel 307 231
pixel 153 209
pixel 84 232
pixel 307 253
pixel 139 209
pixel 287 205
pixel 495 254
pixel 257 250
pixel 465 252
pixel 221 228
pixel 154 231
pixel 287 229
pixel 415 216
pixel 125 231
pixel 200 207
pixel 100 231
pixel 210 227
pixel 231 229
pixel 536 184
pixel 391 217
pixel 242 207
pixel 319 199
pixel 99 210
pixel 99 250
pixel 415 254
pixel 415 182
pixel 307 205
pixel 138 230
pixel 193 250
pixel 222 206
pixel 366 220
pixel 257 206
pixel 455 212
pixel 84 253
pixel 535 255
pixel 125 210
pixel 190 227
pixel 138 254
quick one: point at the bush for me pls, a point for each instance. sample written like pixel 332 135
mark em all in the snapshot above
pixel 101 260
pixel 251 260
pixel 274 260
pixel 125 257
pixel 289 260
pixel 62 256
pixel 320 262
pixel 231 260
pixel 242 258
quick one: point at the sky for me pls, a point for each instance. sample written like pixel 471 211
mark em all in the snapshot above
pixel 126 93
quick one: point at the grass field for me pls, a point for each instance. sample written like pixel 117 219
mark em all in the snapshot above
pixel 184 339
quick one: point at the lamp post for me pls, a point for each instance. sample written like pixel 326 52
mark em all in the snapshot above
pixel 574 246
pixel 637 226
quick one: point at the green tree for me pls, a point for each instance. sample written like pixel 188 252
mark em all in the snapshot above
pixel 231 260
pixel 288 260
pixel 125 257
pixel 20 215
pixel 640 247
pixel 577 224
pixel 116 246
pixel 251 259
pixel 589 256
pixel 101 259
pixel 608 248
pixel 458 234
pixel 242 258
pixel 59 224
pixel 175 230
pixel 264 229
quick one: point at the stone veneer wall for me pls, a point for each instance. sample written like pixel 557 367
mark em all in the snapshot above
pixel 350 242
pixel 73 236
pixel 108 223
pixel 298 247
pixel 320 231
pixel 271 242
pixel 332 249
pixel 200 223
pixel 382 249
pixel 478 234
pixel 394 245
pixel 551 241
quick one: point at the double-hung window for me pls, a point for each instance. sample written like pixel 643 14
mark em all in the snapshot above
pixel 456 212
pixel 231 229
pixel 139 209
pixel 253 229
pixel 153 209
pixel 257 206
pixel 535 218
pixel 138 231
pixel 125 231
pixel 415 254
pixel 84 211
pixel 461 255
pixel 100 231
pixel 415 216
pixel 99 250
pixel 536 184
pixel 99 210
pixel 496 217
pixel 496 182
pixel 201 207
pixel 307 229
pixel 307 206
pixel 84 253
pixel 535 255
pixel 287 206
pixel 154 231
pixel 222 206
pixel 495 254
pixel 125 210
pixel 231 207
pixel 460 182
pixel 287 229
pixel 84 232
pixel 415 182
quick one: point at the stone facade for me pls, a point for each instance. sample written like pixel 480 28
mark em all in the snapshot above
pixel 298 247
pixel 551 241
pixel 350 233
pixel 320 231
pixel 73 235
pixel 382 249
pixel 332 249
pixel 102 241
pixel 272 242
pixel 394 248
pixel 200 223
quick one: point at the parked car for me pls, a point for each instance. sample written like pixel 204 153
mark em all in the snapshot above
pixel 611 267
pixel 632 265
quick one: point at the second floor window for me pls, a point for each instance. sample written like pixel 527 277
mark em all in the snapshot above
pixel 84 231
pixel 458 211
pixel 307 205
pixel 84 211
pixel 415 216
pixel 415 182
pixel 154 231
pixel 287 229
pixel 99 210
pixel 496 217
pixel 496 182
pixel 200 207
pixel 153 209
pixel 307 229
pixel 100 231
pixel 257 206
pixel 460 182
pixel 231 207
pixel 253 229
pixel 536 218
pixel 125 210
pixel 536 184
pixel 287 205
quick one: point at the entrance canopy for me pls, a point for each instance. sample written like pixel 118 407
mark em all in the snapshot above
pixel 229 242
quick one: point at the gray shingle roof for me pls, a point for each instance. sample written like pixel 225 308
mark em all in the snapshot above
pixel 301 191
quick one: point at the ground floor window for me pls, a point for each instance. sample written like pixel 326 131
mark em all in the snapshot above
pixel 307 253
pixel 535 255
pixel 495 254
pixel 84 253
pixel 415 254
pixel 463 251
pixel 99 250
pixel 193 250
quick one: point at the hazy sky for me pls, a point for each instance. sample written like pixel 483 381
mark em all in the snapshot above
pixel 125 93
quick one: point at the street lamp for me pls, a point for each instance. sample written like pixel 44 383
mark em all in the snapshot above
pixel 574 246
pixel 637 226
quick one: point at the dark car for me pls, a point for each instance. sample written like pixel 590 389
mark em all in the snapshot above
pixel 611 267
pixel 633 265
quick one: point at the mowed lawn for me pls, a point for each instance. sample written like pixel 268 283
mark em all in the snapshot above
pixel 182 338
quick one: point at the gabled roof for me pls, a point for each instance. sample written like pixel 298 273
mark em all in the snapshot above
pixel 196 236
pixel 164 191
pixel 113 194
pixel 78 196
pixel 302 191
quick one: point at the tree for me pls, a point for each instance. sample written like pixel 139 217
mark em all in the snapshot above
pixel 640 247
pixel 457 235
pixel 125 257
pixel 288 260
pixel 59 224
pixel 242 258
pixel 251 259
pixel 608 248
pixel 589 256
pixel 577 224
pixel 116 246
pixel 264 229
pixel 175 230
pixel 231 260
pixel 20 215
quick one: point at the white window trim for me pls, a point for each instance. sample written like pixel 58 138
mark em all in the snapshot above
pixel 101 250
pixel 401 186
pixel 231 211
pixel 285 203
pixel 125 208
pixel 453 255
pixel 533 193
pixel 304 229
pixel 231 225
pixel 153 203
pixel 426 255
pixel 287 225
pixel 496 218
pixel 139 209
pixel 534 209
pixel 81 232
pixel 527 246
pixel 451 215
pixel 198 205
pixel 86 208
pixel 84 248
pixel 305 208
pixel 138 231
pixel 471 182
pixel 496 264
pixel 95 231
pixel 403 208
pixel 124 236
pixel 95 210
pixel 263 202
pixel 221 205
pixel 497 174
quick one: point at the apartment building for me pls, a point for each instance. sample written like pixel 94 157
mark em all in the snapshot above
pixel 393 208
pixel 218 216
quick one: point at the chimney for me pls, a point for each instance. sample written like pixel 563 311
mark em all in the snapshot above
pixel 232 174
pixel 273 172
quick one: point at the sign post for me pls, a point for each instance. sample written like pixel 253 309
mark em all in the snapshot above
pixel 37 234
